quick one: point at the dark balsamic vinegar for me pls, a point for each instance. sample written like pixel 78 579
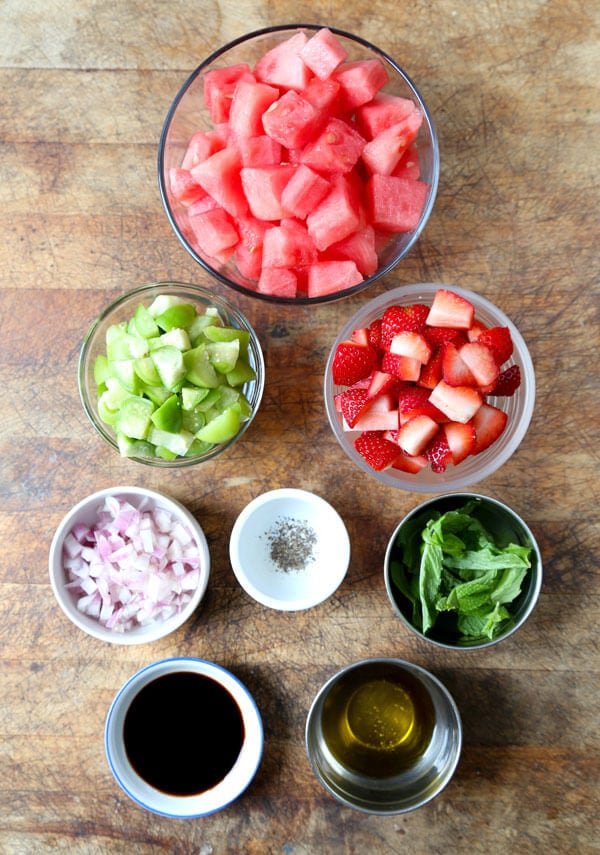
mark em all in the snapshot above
pixel 183 733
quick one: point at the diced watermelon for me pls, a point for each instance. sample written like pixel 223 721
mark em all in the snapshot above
pixel 360 81
pixel 409 165
pixel 323 94
pixel 183 187
pixel 303 192
pixel 215 233
pixel 283 66
pixel 248 252
pixel 358 247
pixel 263 187
pixel 278 282
pixel 288 245
pixel 382 154
pixel 200 147
pixel 248 104
pixel 292 120
pixel 259 151
pixel 327 277
pixel 383 111
pixel 220 176
pixel 335 150
pixel 323 53
pixel 219 84
pixel 335 217
pixel 395 204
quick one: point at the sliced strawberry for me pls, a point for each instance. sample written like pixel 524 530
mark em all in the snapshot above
pixel 402 319
pixel 352 362
pixel 382 382
pixel 437 336
pixel 455 371
pixel 412 344
pixel 407 463
pixel 480 361
pixel 431 374
pixel 375 334
pixel 360 336
pixel 352 404
pixel 438 453
pixel 488 423
pixel 500 342
pixel 508 381
pixel 414 401
pixel 458 403
pixel 450 310
pixel 402 367
pixel 460 439
pixel 378 452
pixel 380 414
pixel 476 329
pixel 415 434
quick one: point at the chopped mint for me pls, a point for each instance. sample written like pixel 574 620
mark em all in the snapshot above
pixel 450 564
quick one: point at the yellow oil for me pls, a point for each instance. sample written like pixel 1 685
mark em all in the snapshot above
pixel 377 720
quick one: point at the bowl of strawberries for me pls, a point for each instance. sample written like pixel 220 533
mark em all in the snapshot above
pixel 298 164
pixel 429 388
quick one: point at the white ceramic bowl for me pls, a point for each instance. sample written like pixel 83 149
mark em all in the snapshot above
pixel 235 781
pixel 519 407
pixel 86 512
pixel 289 549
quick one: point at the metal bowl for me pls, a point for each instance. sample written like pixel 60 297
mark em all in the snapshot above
pixel 426 745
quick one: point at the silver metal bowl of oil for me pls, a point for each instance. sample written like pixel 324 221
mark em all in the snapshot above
pixel 384 736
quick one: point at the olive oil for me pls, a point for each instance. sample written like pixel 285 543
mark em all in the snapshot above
pixel 183 733
pixel 378 721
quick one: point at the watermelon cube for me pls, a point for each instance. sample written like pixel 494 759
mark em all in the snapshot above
pixel 288 245
pixel 395 204
pixel 278 282
pixel 215 233
pixel 336 149
pixel 382 154
pixel 259 151
pixel 323 95
pixel 249 102
pixel 183 187
pixel 323 53
pixel 303 192
pixel 383 111
pixel 358 247
pixel 201 146
pixel 336 217
pixel 409 165
pixel 248 251
pixel 220 176
pixel 327 277
pixel 360 81
pixel 283 66
pixel 292 120
pixel 263 187
pixel 219 84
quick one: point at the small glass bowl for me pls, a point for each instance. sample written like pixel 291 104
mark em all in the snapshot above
pixel 505 526
pixel 519 406
pixel 188 114
pixel 123 309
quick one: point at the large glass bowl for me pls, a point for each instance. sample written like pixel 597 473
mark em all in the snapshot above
pixel 519 406
pixel 189 114
pixel 123 309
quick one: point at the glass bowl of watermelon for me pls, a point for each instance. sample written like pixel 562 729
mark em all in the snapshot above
pixel 298 164
pixel 171 374
pixel 429 388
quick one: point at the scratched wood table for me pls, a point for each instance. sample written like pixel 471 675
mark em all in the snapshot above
pixel 513 88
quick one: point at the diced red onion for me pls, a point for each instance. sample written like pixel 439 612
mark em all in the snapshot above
pixel 133 567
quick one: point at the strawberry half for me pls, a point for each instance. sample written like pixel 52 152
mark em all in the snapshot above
pixel 450 310
pixel 352 404
pixel 455 371
pixel 438 453
pixel 398 319
pixel 378 452
pixel 508 381
pixel 460 439
pixel 499 340
pixel 488 423
pixel 352 362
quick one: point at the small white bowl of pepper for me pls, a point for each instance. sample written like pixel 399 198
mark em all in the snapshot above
pixel 289 549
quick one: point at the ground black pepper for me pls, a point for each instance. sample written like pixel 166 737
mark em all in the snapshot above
pixel 291 543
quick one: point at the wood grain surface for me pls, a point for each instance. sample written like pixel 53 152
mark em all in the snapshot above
pixel 513 89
